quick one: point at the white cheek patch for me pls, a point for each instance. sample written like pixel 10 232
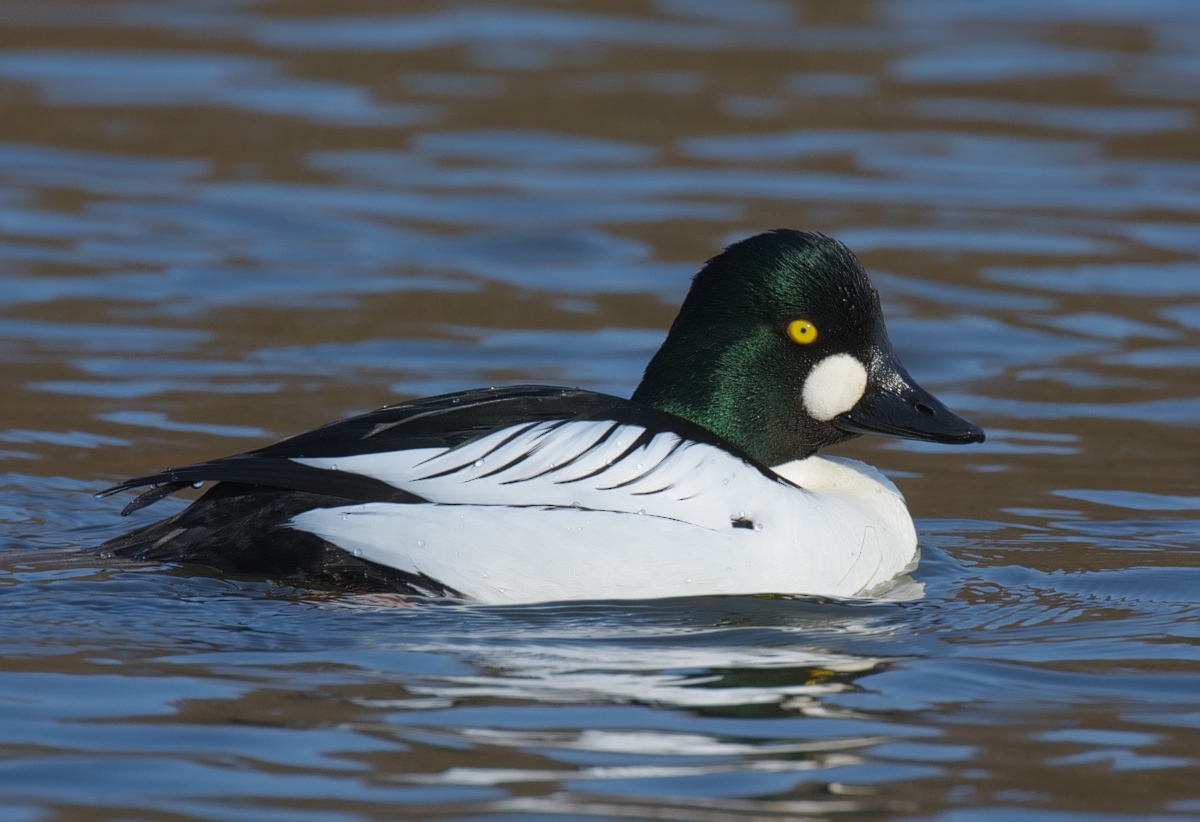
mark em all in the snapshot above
pixel 834 386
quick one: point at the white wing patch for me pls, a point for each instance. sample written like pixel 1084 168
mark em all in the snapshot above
pixel 602 466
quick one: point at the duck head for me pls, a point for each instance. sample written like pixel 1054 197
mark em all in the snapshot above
pixel 780 348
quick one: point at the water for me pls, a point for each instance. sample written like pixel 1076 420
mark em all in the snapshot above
pixel 229 221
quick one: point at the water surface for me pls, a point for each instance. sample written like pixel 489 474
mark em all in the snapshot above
pixel 225 222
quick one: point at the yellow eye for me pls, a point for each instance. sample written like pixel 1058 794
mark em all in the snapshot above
pixel 802 331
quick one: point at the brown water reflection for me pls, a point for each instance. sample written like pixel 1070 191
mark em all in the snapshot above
pixel 230 221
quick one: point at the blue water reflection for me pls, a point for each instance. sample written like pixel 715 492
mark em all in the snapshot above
pixel 222 222
pixel 112 78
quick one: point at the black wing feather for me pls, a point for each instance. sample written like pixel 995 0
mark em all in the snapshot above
pixel 242 529
pixel 445 421
pixel 272 472
pixel 449 420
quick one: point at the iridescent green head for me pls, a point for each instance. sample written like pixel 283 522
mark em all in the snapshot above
pixel 781 349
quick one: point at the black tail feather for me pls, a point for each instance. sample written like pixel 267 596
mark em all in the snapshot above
pixel 266 472
pixel 243 529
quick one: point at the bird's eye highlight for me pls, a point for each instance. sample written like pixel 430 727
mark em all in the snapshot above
pixel 802 331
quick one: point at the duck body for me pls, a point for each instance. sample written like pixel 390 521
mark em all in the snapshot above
pixel 705 482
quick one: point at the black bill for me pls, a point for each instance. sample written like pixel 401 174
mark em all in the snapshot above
pixel 894 404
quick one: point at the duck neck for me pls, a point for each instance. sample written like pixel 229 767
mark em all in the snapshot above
pixel 722 386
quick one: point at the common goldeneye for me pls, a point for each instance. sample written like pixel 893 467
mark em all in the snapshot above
pixel 705 482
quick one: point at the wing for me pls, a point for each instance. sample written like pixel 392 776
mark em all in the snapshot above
pixel 383 456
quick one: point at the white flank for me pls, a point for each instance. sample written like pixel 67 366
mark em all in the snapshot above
pixel 834 386
pixel 570 512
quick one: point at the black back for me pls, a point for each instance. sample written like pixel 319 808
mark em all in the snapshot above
pixel 445 421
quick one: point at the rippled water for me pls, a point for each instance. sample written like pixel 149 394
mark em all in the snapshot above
pixel 228 221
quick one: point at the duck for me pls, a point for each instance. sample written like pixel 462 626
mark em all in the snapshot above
pixel 706 481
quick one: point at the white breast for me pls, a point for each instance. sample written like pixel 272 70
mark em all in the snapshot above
pixel 599 510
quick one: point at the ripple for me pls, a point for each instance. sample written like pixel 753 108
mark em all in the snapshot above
pixel 1137 500
pixel 531 147
pixel 115 78
pixel 1175 411
pixel 1103 120
pixel 456 27
pixel 152 419
pixel 96 172
pixel 987 63
pixel 1124 279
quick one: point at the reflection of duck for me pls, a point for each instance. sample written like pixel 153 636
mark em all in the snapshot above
pixel 705 482
pixel 665 668
pixel 665 693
